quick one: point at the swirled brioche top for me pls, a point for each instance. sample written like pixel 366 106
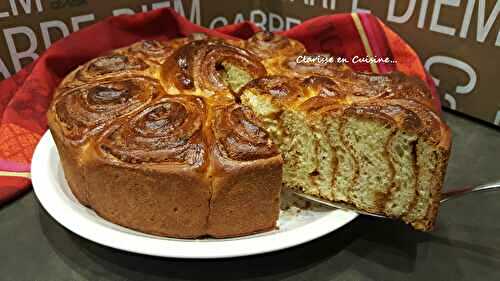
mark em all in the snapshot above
pixel 174 102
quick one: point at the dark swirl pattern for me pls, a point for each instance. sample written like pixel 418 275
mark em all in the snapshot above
pixel 151 50
pixel 200 65
pixel 267 44
pixel 338 80
pixel 111 65
pixel 412 116
pixel 281 89
pixel 85 110
pixel 156 136
pixel 323 86
pixel 410 88
pixel 239 136
pixel 394 85
pixel 170 130
pixel 157 52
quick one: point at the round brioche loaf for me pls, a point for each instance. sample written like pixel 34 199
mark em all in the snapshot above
pixel 195 136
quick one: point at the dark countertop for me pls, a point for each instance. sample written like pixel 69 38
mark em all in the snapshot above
pixel 464 246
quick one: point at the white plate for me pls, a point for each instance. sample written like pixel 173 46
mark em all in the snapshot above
pixel 297 225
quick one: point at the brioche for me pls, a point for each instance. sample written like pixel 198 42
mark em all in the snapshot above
pixel 196 136
pixel 373 141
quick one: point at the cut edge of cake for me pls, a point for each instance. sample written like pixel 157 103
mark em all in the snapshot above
pixel 348 152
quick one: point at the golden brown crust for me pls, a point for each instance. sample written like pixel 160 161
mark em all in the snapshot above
pixel 139 156
pixel 167 131
pixel 197 64
pixel 152 51
pixel 80 113
pixel 238 136
pixel 266 45
pixel 72 163
pixel 152 136
pixel 443 154
pixel 85 110
pixel 245 196
pixel 246 175
pixel 168 200
pixel 284 91
pixel 394 100
pixel 150 170
pixel 106 67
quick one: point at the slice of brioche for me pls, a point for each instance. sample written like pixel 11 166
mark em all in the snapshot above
pixel 384 156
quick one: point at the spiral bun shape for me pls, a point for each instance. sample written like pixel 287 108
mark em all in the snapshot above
pixel 196 136
pixel 239 136
pixel 266 44
pixel 85 110
pixel 153 52
pixel 201 63
pixel 169 130
pixel 110 66
pixel 247 174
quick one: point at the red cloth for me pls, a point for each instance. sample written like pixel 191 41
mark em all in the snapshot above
pixel 24 98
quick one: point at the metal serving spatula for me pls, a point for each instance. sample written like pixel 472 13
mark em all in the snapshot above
pixel 445 196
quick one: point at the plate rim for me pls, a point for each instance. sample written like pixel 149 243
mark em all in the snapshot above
pixel 60 209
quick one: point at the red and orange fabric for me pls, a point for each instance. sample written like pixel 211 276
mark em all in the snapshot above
pixel 24 98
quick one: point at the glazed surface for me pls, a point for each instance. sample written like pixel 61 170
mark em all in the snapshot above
pixel 164 131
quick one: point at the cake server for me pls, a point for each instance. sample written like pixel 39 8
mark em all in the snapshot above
pixel 445 196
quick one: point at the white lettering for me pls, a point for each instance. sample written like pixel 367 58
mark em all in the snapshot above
pixel 497 119
pixel 482 28
pixel 435 26
pixel 271 21
pixel 4 70
pixel 13 6
pixel 76 21
pixel 26 5
pixel 16 55
pixel 422 14
pixel 331 6
pixel 276 22
pixel 471 73
pixel 451 101
pixel 313 59
pixel 123 11
pixel 342 60
pixel 45 26
pixel 291 22
pixel 356 9
pixel 159 5
pixel 467 18
pixel 391 16
pixel 370 60
pixel 218 20
pixel 195 15
pixel 179 8
pixel 263 19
